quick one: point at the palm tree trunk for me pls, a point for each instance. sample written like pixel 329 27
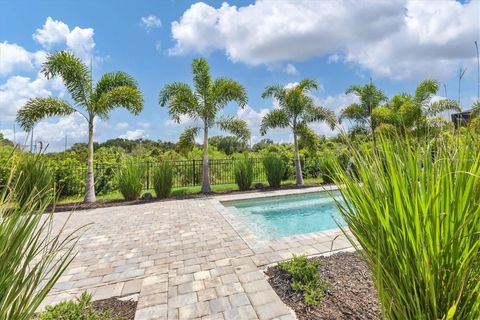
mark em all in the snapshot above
pixel 298 164
pixel 90 183
pixel 206 174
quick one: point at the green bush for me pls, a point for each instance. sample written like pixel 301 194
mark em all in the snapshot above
pixel 81 309
pixel 69 176
pixel 243 171
pixel 414 209
pixel 32 255
pixel 34 177
pixel 274 169
pixel 130 180
pixel 305 278
pixel 163 179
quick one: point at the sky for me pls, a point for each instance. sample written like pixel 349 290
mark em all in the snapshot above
pixel 396 43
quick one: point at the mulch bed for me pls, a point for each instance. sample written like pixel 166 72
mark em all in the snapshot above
pixel 118 308
pixel 120 202
pixel 350 293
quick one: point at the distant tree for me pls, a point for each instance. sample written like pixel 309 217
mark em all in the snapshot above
pixel 296 111
pixel 262 144
pixel 361 113
pixel 202 103
pixel 4 141
pixel 227 144
pixel 113 90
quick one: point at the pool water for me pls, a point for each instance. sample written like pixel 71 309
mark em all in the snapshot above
pixel 283 216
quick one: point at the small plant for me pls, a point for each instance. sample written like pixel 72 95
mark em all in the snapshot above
pixel 244 173
pixel 130 180
pixel 305 278
pixel 81 309
pixel 274 169
pixel 34 177
pixel 163 179
pixel 32 255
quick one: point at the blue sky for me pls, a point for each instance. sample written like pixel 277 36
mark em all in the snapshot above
pixel 396 43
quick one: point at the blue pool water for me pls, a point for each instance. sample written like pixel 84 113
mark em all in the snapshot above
pixel 284 216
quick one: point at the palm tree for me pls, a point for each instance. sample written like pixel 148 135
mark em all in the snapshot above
pixel 113 90
pixel 296 111
pixel 361 113
pixel 202 104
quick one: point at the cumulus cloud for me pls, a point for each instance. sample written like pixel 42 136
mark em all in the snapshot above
pixel 134 134
pixel 396 39
pixel 149 22
pixel 56 32
pixel 16 58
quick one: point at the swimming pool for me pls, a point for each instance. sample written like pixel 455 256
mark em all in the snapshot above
pixel 283 216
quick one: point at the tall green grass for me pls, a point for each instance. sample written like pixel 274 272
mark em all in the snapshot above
pixel 415 211
pixel 163 179
pixel 243 171
pixel 130 179
pixel 34 177
pixel 33 254
pixel 274 169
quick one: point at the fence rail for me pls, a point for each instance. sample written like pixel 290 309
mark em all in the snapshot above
pixel 188 173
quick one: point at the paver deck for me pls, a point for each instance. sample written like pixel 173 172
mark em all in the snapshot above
pixel 186 259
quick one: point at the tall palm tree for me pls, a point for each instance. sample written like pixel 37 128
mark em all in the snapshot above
pixel 361 113
pixel 113 90
pixel 296 111
pixel 202 104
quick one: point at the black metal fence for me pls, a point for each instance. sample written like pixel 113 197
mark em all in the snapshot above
pixel 188 173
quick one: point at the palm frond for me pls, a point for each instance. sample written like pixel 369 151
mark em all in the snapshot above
pixel 276 118
pixel 186 141
pixel 238 127
pixel 74 73
pixel 306 85
pixel 201 76
pixel 476 109
pixel 318 113
pixel 353 112
pixel 425 91
pixel 274 91
pixel 227 90
pixel 126 97
pixel 112 80
pixel 180 100
pixel 442 105
pixel 37 109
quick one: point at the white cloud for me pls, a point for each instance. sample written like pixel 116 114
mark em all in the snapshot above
pixel 291 69
pixel 15 92
pixel 121 125
pixel 56 32
pixel 134 135
pixel 144 124
pixel 149 22
pixel 16 58
pixel 397 39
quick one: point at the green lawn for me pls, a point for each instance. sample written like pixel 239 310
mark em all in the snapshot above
pixel 116 195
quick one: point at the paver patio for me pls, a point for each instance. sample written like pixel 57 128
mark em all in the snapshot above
pixel 185 259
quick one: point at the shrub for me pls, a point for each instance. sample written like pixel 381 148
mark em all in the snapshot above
pixel 130 180
pixel 274 169
pixel 243 171
pixel 163 179
pixel 34 177
pixel 415 211
pixel 32 256
pixel 81 309
pixel 305 278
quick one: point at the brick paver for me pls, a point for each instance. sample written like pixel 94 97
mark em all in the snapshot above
pixel 186 259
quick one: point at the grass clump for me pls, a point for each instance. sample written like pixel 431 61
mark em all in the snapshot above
pixel 81 309
pixel 414 208
pixel 163 179
pixel 243 171
pixel 34 177
pixel 274 169
pixel 305 278
pixel 32 255
pixel 130 180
